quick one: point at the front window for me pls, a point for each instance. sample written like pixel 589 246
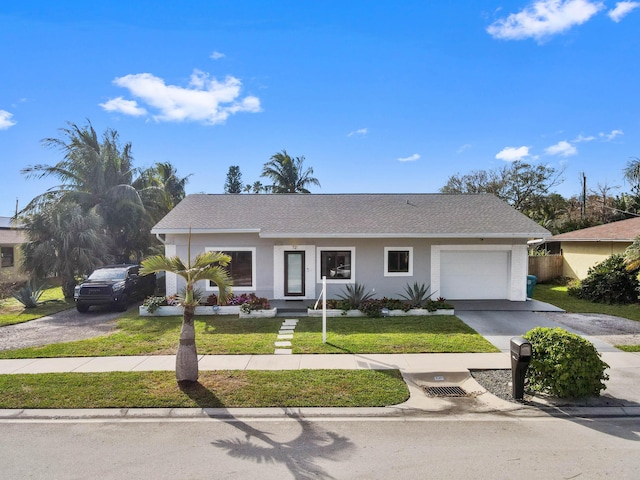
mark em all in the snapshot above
pixel 7 257
pixel 398 261
pixel 336 264
pixel 241 268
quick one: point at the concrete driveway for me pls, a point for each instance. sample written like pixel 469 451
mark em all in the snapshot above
pixel 499 321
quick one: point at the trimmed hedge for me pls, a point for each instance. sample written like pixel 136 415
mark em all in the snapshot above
pixel 564 364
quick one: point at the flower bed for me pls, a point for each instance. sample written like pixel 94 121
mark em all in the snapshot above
pixel 245 305
pixel 176 310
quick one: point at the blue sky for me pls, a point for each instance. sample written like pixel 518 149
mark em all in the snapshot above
pixel 384 96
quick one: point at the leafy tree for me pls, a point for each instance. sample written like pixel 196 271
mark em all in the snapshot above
pixel 64 240
pixel 233 184
pixel 206 266
pixel 288 174
pixel 520 184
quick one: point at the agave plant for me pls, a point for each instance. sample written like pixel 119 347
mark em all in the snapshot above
pixel 417 295
pixel 30 294
pixel 355 294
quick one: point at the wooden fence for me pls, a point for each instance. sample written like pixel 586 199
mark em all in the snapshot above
pixel 545 267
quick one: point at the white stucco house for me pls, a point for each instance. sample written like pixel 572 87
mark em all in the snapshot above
pixel 462 246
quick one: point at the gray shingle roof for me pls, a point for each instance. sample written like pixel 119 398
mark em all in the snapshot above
pixel 620 231
pixel 350 215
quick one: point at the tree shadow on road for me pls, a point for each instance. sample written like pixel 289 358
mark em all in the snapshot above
pixel 300 455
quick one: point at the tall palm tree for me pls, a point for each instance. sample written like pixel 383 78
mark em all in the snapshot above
pixel 97 175
pixel 160 188
pixel 288 174
pixel 206 266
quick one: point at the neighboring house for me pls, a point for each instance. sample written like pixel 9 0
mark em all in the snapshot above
pixel 462 246
pixel 582 249
pixel 11 237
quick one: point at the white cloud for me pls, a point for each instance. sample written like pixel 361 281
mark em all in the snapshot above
pixel 217 55
pixel 464 148
pixel 5 120
pixel 360 131
pixel 581 138
pixel 411 158
pixel 621 10
pixel 512 154
pixel 563 148
pixel 610 136
pixel 128 107
pixel 544 18
pixel 204 100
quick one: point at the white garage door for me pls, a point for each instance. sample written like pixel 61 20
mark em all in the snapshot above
pixel 474 275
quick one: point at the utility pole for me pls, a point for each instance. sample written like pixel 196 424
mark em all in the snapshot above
pixel 584 196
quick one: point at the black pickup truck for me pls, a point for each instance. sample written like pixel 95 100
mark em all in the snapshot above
pixel 114 285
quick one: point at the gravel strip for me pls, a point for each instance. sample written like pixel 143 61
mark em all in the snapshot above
pixel 497 382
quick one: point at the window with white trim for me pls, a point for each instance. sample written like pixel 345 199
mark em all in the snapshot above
pixel 337 264
pixel 398 261
pixel 241 268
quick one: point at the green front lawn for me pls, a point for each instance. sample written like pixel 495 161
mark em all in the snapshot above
pixel 230 335
pixel 557 295
pixel 12 311
pixel 288 388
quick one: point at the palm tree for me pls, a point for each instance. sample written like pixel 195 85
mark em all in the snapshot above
pixel 206 266
pixel 160 188
pixel 65 241
pixel 96 174
pixel 632 255
pixel 288 174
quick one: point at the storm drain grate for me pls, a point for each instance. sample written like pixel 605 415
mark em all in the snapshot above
pixel 445 392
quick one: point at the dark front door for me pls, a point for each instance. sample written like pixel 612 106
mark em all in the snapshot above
pixel 294 273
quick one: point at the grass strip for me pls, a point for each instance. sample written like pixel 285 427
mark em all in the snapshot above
pixel 215 389
pixel 229 335
pixel 557 295
pixel 13 312
pixel 430 334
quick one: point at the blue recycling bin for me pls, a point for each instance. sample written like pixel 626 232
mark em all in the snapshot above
pixel 531 283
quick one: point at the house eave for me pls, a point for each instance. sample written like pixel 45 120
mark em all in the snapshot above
pixel 402 235
pixel 592 240
pixel 179 231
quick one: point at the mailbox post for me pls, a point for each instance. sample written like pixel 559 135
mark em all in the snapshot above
pixel 520 357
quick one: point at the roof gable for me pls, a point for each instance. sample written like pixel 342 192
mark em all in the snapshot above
pixel 350 215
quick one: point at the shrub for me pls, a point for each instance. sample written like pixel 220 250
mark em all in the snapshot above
pixel 564 364
pixel 153 303
pixel 354 295
pixel 609 282
pixel 373 306
pixel 253 302
pixel 30 294
pixel 417 295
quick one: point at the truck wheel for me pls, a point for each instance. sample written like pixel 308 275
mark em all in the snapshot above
pixel 123 304
pixel 82 308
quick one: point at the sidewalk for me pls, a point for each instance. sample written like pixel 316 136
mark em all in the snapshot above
pixel 420 371
pixel 432 362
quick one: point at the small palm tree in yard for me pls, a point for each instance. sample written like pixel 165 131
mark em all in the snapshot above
pixel 206 266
